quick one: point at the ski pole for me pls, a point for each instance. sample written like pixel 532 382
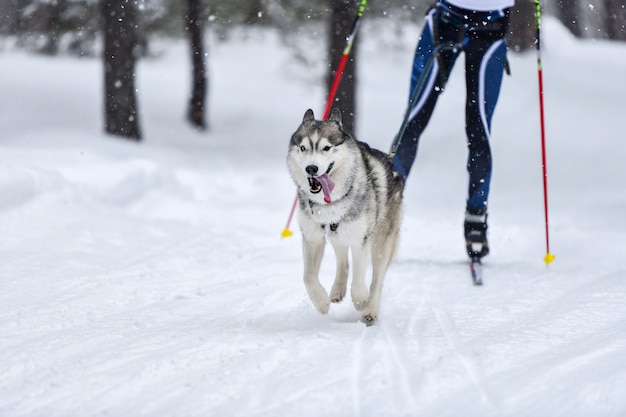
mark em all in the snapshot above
pixel 418 88
pixel 549 256
pixel 331 95
pixel 344 59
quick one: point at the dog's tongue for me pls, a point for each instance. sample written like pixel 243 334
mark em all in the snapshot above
pixel 327 186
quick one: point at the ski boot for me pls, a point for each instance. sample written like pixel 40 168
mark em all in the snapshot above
pixel 475 227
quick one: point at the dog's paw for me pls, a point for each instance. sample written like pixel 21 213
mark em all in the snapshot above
pixel 359 299
pixel 322 305
pixel 358 304
pixel 320 300
pixel 369 318
pixel 319 297
pixel 337 294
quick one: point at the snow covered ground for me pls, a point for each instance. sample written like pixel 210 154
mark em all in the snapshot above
pixel 151 280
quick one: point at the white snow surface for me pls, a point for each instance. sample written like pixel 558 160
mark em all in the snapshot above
pixel 151 280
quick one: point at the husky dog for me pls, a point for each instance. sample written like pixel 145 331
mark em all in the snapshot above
pixel 348 193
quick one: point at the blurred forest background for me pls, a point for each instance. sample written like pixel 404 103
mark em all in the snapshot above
pixel 121 31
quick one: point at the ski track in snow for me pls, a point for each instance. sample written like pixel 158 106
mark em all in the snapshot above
pixel 150 279
pixel 447 327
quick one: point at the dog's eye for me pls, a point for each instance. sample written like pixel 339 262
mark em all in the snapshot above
pixel 326 148
pixel 302 148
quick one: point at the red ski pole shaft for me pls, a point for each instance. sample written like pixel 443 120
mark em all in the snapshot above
pixel 549 256
pixel 344 59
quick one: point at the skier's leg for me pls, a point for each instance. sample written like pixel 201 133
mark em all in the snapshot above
pixel 484 71
pixel 485 62
pixel 431 88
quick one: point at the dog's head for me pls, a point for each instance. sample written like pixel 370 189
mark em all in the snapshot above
pixel 321 154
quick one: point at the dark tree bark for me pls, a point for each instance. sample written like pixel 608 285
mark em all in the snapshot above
pixel 257 14
pixel 196 109
pixel 120 41
pixel 616 19
pixel 343 13
pixel 569 14
pixel 522 29
pixel 49 28
pixel 10 16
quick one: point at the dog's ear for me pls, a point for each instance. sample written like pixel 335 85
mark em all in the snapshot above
pixel 335 116
pixel 308 116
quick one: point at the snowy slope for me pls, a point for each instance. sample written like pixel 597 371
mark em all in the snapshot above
pixel 150 280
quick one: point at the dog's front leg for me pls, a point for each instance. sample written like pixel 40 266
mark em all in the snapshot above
pixel 381 258
pixel 360 259
pixel 338 290
pixel 313 252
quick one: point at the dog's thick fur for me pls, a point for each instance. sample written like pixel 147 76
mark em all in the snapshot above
pixel 360 209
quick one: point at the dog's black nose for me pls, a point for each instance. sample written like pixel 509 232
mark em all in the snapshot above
pixel 311 169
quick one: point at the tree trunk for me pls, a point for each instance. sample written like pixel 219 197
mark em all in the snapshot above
pixel 569 14
pixel 616 19
pixel 120 41
pixel 49 28
pixel 257 13
pixel 343 13
pixel 196 110
pixel 10 16
pixel 522 29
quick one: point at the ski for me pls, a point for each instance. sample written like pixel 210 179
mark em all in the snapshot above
pixel 476 268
